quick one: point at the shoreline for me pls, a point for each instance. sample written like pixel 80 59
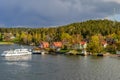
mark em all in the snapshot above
pixel 6 43
pixel 104 55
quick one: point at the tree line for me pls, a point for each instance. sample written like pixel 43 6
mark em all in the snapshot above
pixel 72 33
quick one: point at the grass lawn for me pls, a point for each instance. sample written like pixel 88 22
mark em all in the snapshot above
pixel 2 42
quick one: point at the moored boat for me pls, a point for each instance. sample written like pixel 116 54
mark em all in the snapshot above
pixel 39 52
pixel 16 52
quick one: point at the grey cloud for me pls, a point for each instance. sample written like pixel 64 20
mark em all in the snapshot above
pixel 52 12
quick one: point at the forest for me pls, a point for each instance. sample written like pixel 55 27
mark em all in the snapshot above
pixel 91 31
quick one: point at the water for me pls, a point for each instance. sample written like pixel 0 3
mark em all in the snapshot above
pixel 58 67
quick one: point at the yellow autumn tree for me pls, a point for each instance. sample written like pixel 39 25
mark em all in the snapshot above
pixel 65 37
pixel 95 45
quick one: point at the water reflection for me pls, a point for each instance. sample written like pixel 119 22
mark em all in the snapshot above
pixel 21 64
pixel 19 58
pixel 58 67
pixel 21 61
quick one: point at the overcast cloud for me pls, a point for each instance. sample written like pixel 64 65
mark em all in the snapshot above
pixel 42 13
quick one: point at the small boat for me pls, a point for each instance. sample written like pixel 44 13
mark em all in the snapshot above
pixel 39 52
pixel 16 52
pixel 100 54
pixel 36 51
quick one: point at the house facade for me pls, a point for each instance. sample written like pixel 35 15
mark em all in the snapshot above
pixel 44 45
pixel 56 45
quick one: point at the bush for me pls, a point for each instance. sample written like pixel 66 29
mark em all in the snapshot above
pixel 95 46
pixel 65 47
pixel 118 46
pixel 111 49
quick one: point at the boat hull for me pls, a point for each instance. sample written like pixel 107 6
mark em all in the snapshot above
pixel 17 52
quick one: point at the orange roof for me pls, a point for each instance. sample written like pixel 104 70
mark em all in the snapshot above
pixel 57 44
pixel 103 42
pixel 82 42
pixel 44 44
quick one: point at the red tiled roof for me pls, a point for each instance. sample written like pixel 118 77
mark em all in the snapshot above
pixel 103 42
pixel 82 42
pixel 57 44
pixel 44 44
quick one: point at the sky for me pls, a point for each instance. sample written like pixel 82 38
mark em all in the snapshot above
pixel 46 13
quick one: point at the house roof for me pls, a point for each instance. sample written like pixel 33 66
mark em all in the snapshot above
pixel 44 44
pixel 82 42
pixel 57 44
pixel 103 42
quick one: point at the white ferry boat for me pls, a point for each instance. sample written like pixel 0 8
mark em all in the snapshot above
pixel 16 52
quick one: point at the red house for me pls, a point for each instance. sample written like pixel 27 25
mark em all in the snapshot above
pixel 82 42
pixel 56 45
pixel 44 45
pixel 104 43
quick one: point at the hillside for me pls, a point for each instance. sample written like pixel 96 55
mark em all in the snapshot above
pixel 92 27
pixel 70 32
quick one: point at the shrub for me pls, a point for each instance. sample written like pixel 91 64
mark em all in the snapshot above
pixel 118 46
pixel 111 49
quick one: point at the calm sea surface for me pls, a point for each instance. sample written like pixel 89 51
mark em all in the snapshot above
pixel 58 67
